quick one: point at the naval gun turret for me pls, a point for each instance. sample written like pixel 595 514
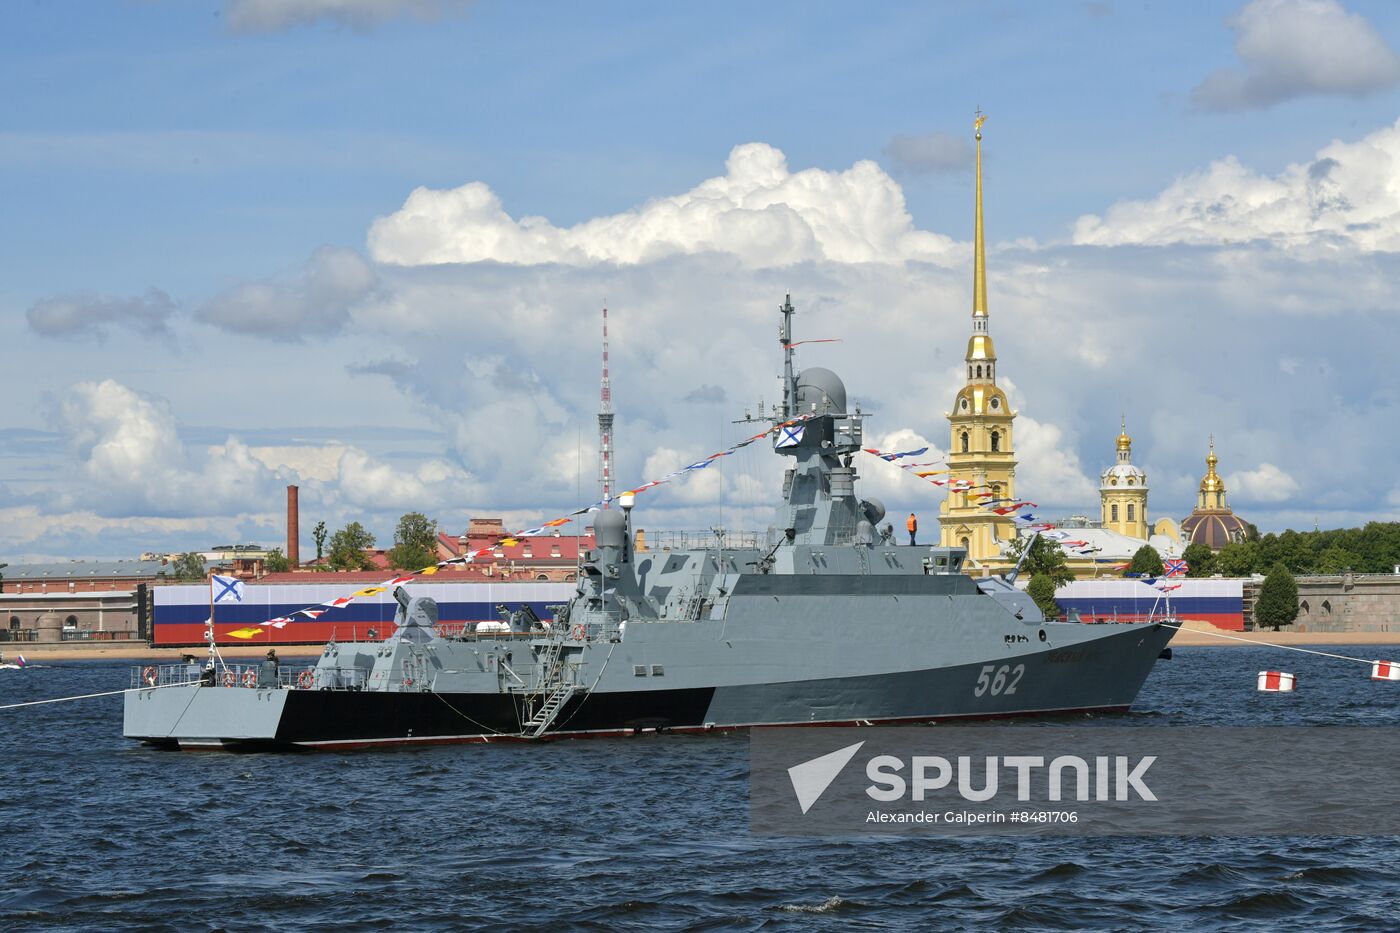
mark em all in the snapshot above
pixel 416 618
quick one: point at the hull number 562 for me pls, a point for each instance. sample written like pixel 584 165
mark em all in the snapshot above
pixel 999 681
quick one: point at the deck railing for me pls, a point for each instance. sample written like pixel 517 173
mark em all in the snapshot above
pixel 289 677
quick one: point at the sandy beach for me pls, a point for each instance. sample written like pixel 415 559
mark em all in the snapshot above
pixel 1199 634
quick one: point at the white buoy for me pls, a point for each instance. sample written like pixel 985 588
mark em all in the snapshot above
pixel 1277 682
pixel 1385 670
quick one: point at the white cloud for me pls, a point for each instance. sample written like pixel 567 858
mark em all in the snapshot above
pixel 309 462
pixel 316 299
pixel 1292 48
pixel 1348 196
pixel 500 360
pixel 97 315
pixel 1048 468
pixel 274 15
pixel 931 152
pixel 699 487
pixel 133 462
pixel 758 211
pixel 367 484
pixel 1264 483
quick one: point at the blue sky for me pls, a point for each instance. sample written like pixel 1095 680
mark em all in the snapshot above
pixel 234 156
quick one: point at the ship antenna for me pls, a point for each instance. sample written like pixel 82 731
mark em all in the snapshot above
pixel 785 338
pixel 605 422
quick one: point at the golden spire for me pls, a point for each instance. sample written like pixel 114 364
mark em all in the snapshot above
pixel 979 260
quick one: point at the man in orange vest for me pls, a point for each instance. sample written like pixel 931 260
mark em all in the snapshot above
pixel 913 526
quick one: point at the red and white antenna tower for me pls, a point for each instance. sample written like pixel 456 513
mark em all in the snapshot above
pixel 605 422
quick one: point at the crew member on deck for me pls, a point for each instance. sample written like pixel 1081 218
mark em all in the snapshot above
pixel 267 674
pixel 913 525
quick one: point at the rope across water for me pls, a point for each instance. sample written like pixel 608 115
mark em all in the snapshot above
pixel 1268 644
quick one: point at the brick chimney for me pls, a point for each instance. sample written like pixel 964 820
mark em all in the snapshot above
pixel 293 529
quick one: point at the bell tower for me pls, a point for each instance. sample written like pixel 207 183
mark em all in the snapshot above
pixel 981 457
pixel 1123 492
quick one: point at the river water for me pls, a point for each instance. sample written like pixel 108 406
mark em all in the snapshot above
pixel 632 834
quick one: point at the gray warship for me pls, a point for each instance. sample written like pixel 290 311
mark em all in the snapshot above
pixel 827 624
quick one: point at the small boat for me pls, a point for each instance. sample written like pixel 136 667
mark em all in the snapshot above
pixel 16 665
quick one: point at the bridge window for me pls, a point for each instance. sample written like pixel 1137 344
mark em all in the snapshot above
pixel 542 576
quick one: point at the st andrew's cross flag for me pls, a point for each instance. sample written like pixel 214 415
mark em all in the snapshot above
pixel 226 589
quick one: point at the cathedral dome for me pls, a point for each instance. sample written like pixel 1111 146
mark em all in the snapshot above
pixel 981 399
pixel 1212 522
pixel 1213 529
pixel 1123 474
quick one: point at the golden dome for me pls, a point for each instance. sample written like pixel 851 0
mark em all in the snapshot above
pixel 1124 441
pixel 1212 482
pixel 979 347
pixel 981 399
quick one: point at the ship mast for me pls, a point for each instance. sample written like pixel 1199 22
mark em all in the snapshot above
pixel 789 379
pixel 605 422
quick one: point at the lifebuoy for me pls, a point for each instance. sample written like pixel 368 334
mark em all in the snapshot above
pixel 579 633
pixel 305 679
pixel 250 677
pixel 149 676
pixel 230 678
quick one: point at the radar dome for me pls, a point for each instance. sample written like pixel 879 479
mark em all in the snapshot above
pixel 822 388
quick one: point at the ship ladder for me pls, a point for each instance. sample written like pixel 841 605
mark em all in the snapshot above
pixel 544 717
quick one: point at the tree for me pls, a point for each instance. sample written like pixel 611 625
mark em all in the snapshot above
pixel 1337 560
pixel 1146 563
pixel 1237 559
pixel 1045 559
pixel 276 562
pixel 348 546
pixel 320 535
pixel 1042 590
pixel 1200 560
pixel 1278 599
pixel 415 542
pixel 189 566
